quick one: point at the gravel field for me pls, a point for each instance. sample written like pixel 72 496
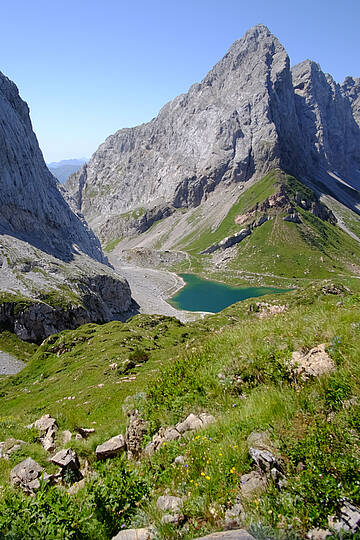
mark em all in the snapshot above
pixel 9 365
pixel 150 289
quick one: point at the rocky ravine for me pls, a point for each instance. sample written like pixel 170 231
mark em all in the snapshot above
pixel 53 274
pixel 250 114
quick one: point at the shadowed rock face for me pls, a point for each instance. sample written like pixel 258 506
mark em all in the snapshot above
pixel 329 131
pixel 32 203
pixel 52 274
pixel 242 120
pixel 351 89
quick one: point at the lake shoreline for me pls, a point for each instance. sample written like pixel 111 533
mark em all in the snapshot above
pixel 211 296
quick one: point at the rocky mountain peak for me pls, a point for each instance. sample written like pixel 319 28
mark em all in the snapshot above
pixel 329 131
pixel 251 113
pixel 238 122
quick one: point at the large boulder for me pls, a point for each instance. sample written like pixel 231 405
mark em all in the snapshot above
pixel 47 427
pixel 27 475
pixel 314 363
pixel 134 435
pixel 134 534
pixel 111 448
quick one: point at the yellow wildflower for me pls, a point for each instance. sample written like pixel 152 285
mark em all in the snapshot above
pixel 207 477
pixel 202 474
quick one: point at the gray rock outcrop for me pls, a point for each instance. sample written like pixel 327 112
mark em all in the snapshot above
pixel 348 519
pixel 329 131
pixel 27 475
pixel 164 435
pixel 251 113
pixel 134 435
pixel 238 534
pixel 113 447
pixel 351 88
pixel 46 247
pixel 239 120
pixel 314 363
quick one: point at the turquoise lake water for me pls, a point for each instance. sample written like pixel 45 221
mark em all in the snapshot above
pixel 204 295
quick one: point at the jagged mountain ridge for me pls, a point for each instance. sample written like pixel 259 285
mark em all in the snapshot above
pixel 250 114
pixel 53 274
pixel 351 87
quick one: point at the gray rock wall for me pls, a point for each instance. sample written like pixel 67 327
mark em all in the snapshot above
pixel 32 203
pixel 47 249
pixel 250 114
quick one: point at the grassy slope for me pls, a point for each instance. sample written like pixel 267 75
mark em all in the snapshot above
pixel 11 344
pixel 181 376
pixel 313 249
pixel 195 243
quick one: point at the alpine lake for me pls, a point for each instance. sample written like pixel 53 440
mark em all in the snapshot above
pixel 211 296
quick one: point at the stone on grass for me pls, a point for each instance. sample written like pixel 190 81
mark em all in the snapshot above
pixel 174 519
pixel 134 534
pixel 318 534
pixel 85 432
pixel 169 503
pixel 348 519
pixel 238 534
pixel 47 427
pixel 312 364
pixel 252 484
pixel 67 459
pixel 9 446
pixel 191 423
pixel 260 440
pixel 235 516
pixel 111 448
pixel 134 435
pixel 264 459
pixel 44 424
pixel 262 452
pixel 27 475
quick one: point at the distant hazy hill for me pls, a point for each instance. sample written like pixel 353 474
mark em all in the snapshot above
pixel 63 169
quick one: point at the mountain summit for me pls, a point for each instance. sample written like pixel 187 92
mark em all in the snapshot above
pixel 251 113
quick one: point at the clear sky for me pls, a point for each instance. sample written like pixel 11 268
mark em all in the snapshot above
pixel 90 67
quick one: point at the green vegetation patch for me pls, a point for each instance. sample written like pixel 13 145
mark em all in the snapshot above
pixel 234 365
pixel 13 345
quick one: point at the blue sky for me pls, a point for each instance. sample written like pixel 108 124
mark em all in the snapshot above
pixel 87 68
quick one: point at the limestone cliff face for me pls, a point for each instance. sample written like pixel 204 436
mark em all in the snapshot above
pixel 239 120
pixel 250 114
pixel 52 271
pixel 32 203
pixel 351 89
pixel 329 131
